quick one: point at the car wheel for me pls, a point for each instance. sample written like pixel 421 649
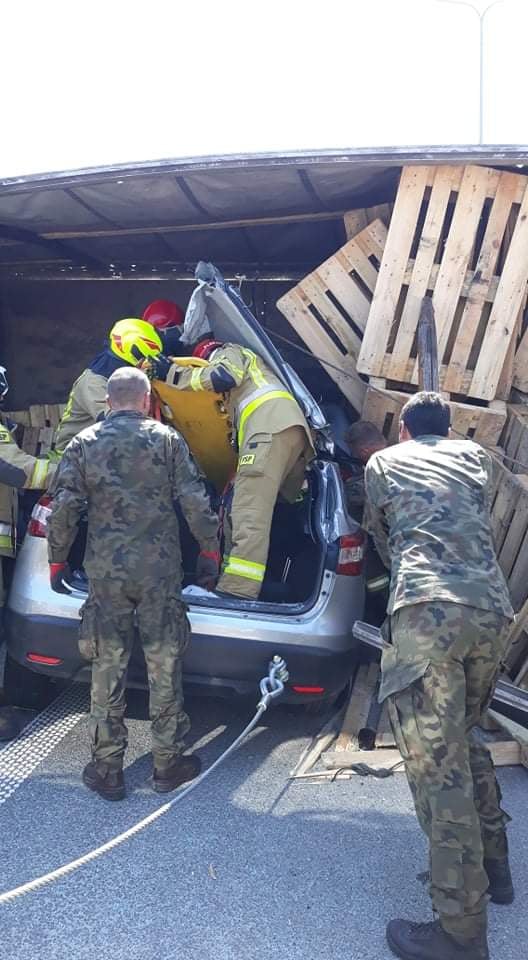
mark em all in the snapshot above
pixel 24 688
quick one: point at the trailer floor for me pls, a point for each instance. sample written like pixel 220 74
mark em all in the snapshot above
pixel 249 866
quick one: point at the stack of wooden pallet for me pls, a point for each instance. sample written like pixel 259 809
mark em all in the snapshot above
pixel 36 427
pixel 457 234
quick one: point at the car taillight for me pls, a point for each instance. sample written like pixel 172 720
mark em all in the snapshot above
pixel 351 552
pixel 39 517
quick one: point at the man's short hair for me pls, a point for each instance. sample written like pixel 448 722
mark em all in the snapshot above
pixel 426 413
pixel 127 385
pixel 363 433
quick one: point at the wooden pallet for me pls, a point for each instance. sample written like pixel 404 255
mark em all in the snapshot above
pixel 506 747
pixel 514 439
pixel 509 517
pixel 37 427
pixel 328 309
pixel 461 235
pixel 482 424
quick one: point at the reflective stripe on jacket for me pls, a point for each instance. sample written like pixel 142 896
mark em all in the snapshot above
pixel 257 402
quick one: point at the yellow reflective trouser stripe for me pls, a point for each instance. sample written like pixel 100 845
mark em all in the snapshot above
pixel 254 370
pixel 5 541
pixel 39 475
pixel 251 407
pixel 245 568
pixel 196 383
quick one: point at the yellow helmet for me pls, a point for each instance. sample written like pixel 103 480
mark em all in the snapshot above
pixel 132 340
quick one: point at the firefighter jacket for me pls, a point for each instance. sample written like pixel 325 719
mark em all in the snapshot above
pixel 257 401
pixel 18 470
pixel 86 402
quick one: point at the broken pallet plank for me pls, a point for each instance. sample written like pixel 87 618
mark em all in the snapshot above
pixel 475 226
pixel 358 706
pixel 504 753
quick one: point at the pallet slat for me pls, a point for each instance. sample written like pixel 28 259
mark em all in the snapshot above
pixel 459 222
pixel 329 308
pixel 481 424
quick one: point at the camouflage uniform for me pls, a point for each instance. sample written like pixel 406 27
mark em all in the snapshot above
pixel 274 444
pixel 449 608
pixel 128 471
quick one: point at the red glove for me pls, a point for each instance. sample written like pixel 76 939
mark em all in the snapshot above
pixel 207 567
pixel 58 573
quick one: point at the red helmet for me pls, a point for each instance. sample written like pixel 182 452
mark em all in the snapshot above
pixel 164 313
pixel 204 349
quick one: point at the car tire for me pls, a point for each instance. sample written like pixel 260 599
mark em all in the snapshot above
pixel 25 688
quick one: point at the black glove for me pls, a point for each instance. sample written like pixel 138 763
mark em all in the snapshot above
pixel 207 568
pixel 156 368
pixel 58 573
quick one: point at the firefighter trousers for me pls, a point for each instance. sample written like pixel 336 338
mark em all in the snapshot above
pixel 269 464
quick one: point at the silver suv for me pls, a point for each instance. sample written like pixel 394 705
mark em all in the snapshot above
pixel 313 594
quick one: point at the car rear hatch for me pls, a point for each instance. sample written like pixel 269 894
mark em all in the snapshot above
pixel 232 321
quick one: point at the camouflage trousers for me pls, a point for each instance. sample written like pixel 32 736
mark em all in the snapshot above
pixel 106 637
pixel 439 674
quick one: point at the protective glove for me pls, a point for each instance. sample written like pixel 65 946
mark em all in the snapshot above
pixel 58 573
pixel 207 569
pixel 156 368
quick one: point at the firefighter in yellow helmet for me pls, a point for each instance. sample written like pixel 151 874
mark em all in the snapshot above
pixel 18 471
pixel 274 447
pixel 130 342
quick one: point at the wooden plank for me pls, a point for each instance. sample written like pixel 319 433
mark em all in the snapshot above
pixel 485 270
pixel 520 364
pixel 400 236
pixel 504 753
pixel 481 424
pixel 342 369
pixel 359 705
pixel 419 281
pixel 45 440
pixel 37 416
pixel 315 293
pixel 30 440
pixel 505 309
pixel 474 189
pixel 518 733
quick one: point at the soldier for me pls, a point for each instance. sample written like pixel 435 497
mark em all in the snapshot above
pixel 18 471
pixel 130 342
pixel 363 439
pixel 449 614
pixel 274 446
pixel 130 469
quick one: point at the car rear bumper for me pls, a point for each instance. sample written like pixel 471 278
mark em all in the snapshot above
pixel 223 664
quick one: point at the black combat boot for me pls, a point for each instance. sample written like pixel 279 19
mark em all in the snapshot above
pixel 184 768
pixel 500 880
pixel 107 781
pixel 9 726
pixel 428 941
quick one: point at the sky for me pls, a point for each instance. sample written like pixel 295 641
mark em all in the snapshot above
pixel 84 84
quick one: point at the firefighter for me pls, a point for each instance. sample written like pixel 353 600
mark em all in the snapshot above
pixel 18 471
pixel 130 342
pixel 167 318
pixel 274 447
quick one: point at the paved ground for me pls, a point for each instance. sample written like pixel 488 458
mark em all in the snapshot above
pixel 250 866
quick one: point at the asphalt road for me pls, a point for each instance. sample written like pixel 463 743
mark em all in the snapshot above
pixel 249 866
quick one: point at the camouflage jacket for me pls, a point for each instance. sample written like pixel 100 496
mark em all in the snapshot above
pixel 428 512
pixel 128 471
